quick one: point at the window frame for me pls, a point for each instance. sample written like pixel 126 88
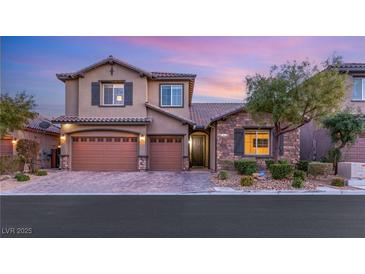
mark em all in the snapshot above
pixel 270 140
pixel 362 89
pixel 114 87
pixel 171 100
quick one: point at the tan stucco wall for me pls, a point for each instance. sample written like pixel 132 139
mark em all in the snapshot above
pixel 46 143
pixel 164 125
pixel 72 97
pixel 348 102
pixel 154 96
pixel 102 73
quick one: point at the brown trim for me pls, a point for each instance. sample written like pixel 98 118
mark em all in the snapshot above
pixel 170 84
pixel 112 81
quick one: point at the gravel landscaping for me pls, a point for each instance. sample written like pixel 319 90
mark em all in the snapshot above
pixel 267 183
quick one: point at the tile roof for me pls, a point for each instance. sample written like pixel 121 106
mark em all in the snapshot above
pixel 204 113
pixel 90 120
pixel 352 67
pixel 172 75
pixel 43 124
pixel 177 117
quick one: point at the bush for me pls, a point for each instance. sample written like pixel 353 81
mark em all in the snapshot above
pixel 21 177
pixel 10 164
pixel 317 168
pixel 338 181
pixel 41 172
pixel 28 151
pixel 303 165
pixel 246 180
pixel 297 182
pixel 281 171
pixel 269 162
pixel 299 174
pixel 246 166
pixel 223 175
pixel 283 162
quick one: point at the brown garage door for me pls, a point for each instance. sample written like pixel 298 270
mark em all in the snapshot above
pixel 6 147
pixel 165 153
pixel 104 153
pixel 356 153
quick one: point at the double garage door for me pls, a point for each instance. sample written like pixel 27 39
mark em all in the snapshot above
pixel 121 153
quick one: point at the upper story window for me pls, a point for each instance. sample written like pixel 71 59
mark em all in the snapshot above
pixel 358 89
pixel 171 95
pixel 113 94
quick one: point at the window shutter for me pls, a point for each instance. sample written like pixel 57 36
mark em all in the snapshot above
pixel 281 145
pixel 128 93
pixel 95 93
pixel 238 141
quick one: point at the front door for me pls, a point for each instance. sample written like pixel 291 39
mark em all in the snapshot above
pixel 198 150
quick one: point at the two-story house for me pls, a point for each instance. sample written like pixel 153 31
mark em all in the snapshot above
pixel 315 141
pixel 120 117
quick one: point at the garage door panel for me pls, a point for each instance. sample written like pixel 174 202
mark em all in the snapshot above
pixel 90 154
pixel 356 153
pixel 165 153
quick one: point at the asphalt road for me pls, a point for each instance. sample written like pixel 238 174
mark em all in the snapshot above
pixel 183 216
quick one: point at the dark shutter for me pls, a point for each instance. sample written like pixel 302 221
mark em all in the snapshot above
pixel 281 145
pixel 128 93
pixel 95 93
pixel 238 141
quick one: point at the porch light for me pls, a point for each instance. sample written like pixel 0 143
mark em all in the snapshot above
pixel 14 141
pixel 67 126
pixel 63 138
pixel 142 139
pixel 189 141
pixel 223 134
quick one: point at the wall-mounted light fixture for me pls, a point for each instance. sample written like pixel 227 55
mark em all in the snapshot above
pixel 189 141
pixel 142 139
pixel 223 135
pixel 14 141
pixel 66 126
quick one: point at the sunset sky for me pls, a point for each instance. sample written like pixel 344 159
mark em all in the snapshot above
pixel 221 63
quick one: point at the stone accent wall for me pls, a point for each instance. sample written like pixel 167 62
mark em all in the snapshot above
pixel 185 162
pixel 142 163
pixel 65 162
pixel 225 139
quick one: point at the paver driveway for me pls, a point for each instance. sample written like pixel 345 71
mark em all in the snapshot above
pixel 118 182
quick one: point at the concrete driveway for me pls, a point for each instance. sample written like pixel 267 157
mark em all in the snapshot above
pixel 117 182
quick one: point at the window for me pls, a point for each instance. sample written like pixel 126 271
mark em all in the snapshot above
pixel 358 89
pixel 113 94
pixel 257 142
pixel 171 95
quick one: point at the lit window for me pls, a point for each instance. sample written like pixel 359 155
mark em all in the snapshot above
pixel 113 94
pixel 171 95
pixel 257 142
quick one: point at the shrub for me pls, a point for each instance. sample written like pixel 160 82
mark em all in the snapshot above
pixel 338 181
pixel 299 174
pixel 246 180
pixel 223 175
pixel 246 166
pixel 28 151
pixel 283 161
pixel 303 165
pixel 21 177
pixel 10 164
pixel 41 172
pixel 297 182
pixel 281 171
pixel 269 162
pixel 318 168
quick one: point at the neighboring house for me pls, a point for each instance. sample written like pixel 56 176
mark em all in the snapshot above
pixel 315 141
pixel 41 130
pixel 120 117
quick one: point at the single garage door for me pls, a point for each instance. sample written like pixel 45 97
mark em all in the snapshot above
pixel 104 153
pixel 6 147
pixel 356 153
pixel 166 153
